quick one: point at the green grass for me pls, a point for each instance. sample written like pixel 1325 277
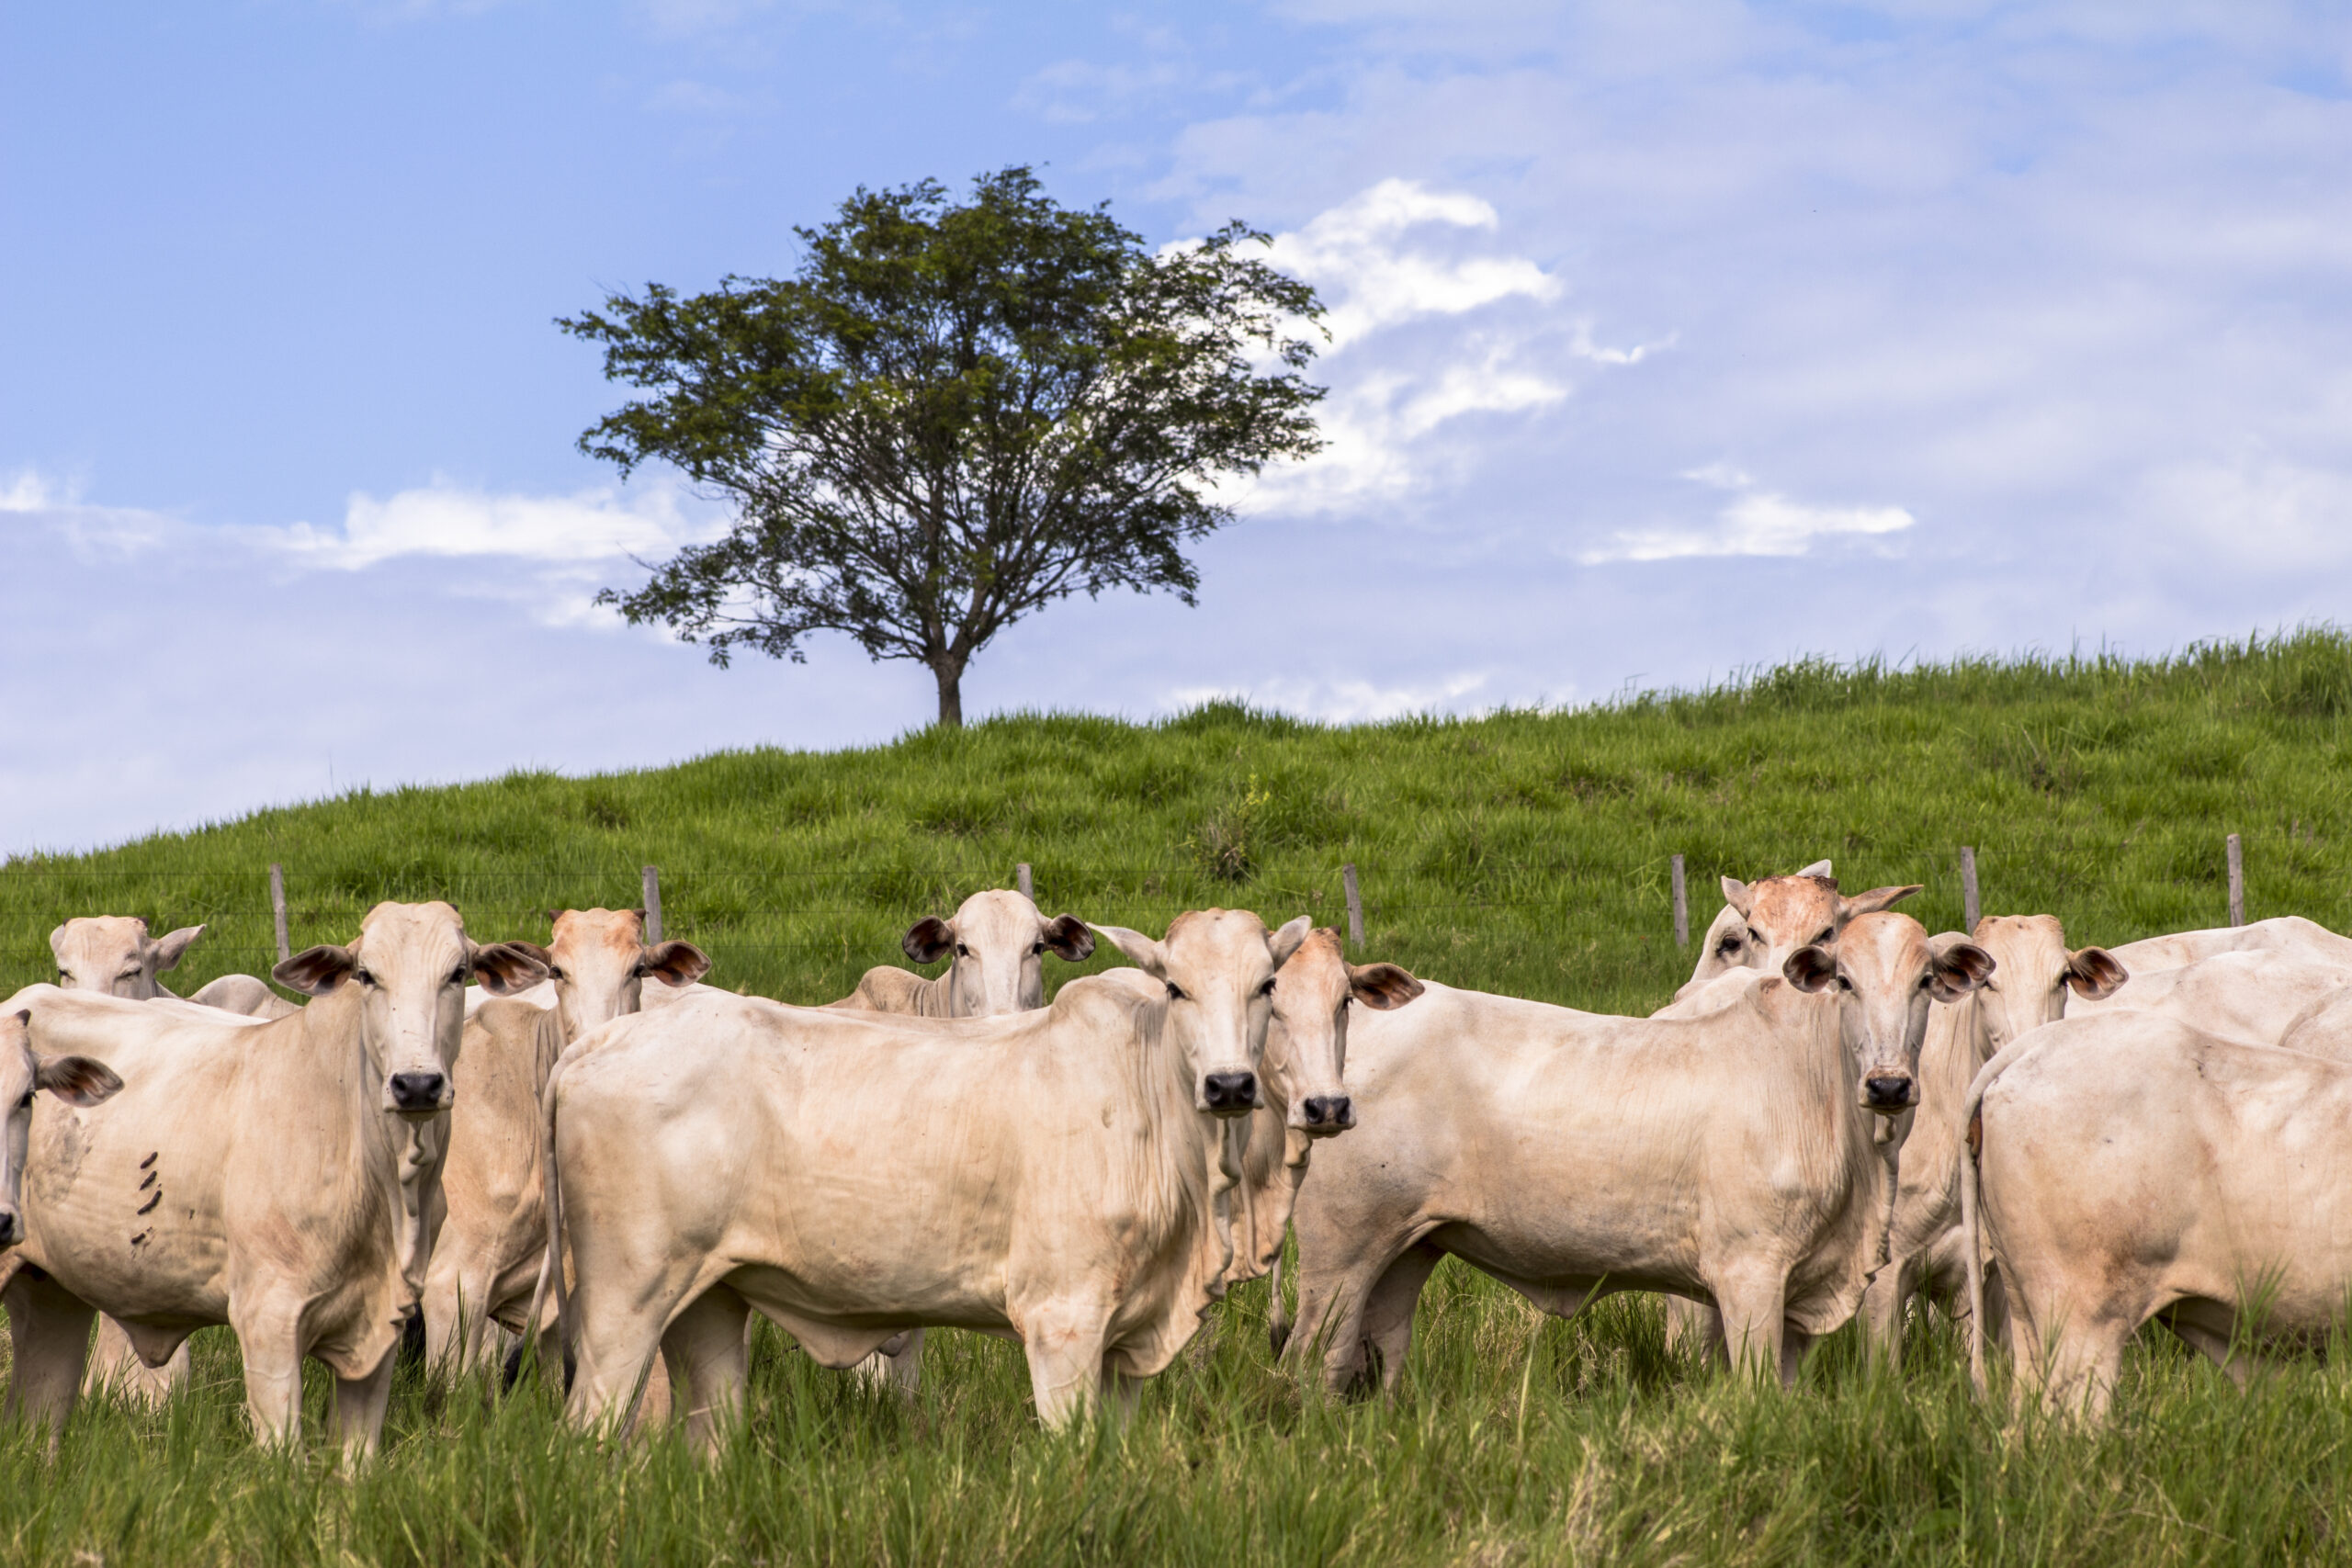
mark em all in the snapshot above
pixel 1525 852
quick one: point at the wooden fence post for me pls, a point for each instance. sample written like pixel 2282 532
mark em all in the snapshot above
pixel 1021 879
pixel 1682 906
pixel 652 903
pixel 1355 905
pixel 278 908
pixel 2237 882
pixel 1968 888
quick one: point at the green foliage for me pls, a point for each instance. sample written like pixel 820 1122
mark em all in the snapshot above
pixel 1523 852
pixel 952 416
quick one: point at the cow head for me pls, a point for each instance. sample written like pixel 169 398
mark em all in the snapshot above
pixel 113 955
pixel 410 964
pixel 1884 974
pixel 1000 941
pixel 1218 968
pixel 78 1080
pixel 599 961
pixel 2034 972
pixel 1773 917
pixel 1307 1046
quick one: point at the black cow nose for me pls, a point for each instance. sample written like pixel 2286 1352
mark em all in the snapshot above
pixel 1230 1093
pixel 417 1092
pixel 1334 1111
pixel 1888 1094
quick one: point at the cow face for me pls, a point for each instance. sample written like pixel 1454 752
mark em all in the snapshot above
pixel 1780 914
pixel 2033 972
pixel 1218 968
pixel 1884 974
pixel 410 964
pixel 999 942
pixel 1306 1044
pixel 600 961
pixel 78 1080
pixel 113 955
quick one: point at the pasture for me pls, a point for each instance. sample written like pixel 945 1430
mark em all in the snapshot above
pixel 1525 852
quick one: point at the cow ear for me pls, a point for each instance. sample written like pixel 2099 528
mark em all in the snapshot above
pixel 1872 902
pixel 1142 951
pixel 504 969
pixel 1957 970
pixel 929 939
pixel 1818 868
pixel 57 946
pixel 1737 894
pixel 173 947
pixel 1284 941
pixel 1066 937
pixel 675 962
pixel 1382 985
pixel 76 1080
pixel 315 971
pixel 2094 973
pixel 1810 968
pixel 536 951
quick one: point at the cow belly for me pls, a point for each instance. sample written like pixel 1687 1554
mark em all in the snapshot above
pixel 1573 1266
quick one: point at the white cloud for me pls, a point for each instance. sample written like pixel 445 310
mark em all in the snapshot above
pixel 1338 702
pixel 1354 255
pixel 1755 523
pixel 442 519
pixel 94 533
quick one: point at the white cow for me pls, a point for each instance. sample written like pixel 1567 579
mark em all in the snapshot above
pixel 1728 1159
pixel 999 940
pixel 2134 1167
pixel 493 1232
pixel 1056 1177
pixel 1762 923
pixel 2285 932
pixel 114 955
pixel 76 1080
pixel 2251 994
pixel 274 1176
pixel 2034 973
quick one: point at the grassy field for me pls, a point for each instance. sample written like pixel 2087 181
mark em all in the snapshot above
pixel 1525 852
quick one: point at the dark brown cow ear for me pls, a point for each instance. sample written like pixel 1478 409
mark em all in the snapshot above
pixel 1957 970
pixel 1383 985
pixel 76 1080
pixel 1810 968
pixel 675 962
pixel 2094 973
pixel 504 969
pixel 315 971
pixel 929 939
pixel 1872 902
pixel 1066 937
pixel 547 959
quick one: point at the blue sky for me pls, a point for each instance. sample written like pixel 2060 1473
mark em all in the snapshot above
pixel 1666 340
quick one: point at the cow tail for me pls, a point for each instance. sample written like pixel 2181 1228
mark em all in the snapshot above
pixel 1972 1125
pixel 551 1264
pixel 1277 1318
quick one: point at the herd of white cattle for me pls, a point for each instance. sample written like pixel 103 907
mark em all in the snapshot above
pixel 518 1144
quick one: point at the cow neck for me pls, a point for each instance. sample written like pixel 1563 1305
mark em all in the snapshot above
pixel 389 1162
pixel 1269 1180
pixel 1195 1163
pixel 1838 1145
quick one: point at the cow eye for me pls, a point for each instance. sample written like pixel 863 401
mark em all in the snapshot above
pixel 364 977
pixel 63 978
pixel 26 1102
pixel 1844 983
pixel 1175 992
pixel 1727 947
pixel 555 974
pixel 457 975
pixel 1036 950
pixel 1828 934
pixel 962 951
pixel 129 975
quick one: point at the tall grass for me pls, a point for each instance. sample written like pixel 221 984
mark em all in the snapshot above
pixel 1525 852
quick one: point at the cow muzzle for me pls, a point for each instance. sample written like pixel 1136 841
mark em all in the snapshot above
pixel 1890 1094
pixel 1229 1094
pixel 1325 1114
pixel 12 1227
pixel 418 1094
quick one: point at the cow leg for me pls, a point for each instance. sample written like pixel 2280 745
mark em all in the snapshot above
pixel 1120 1395
pixel 617 1377
pixel 269 1338
pixel 707 1351
pixel 1750 1303
pixel 1883 1304
pixel 2084 1365
pixel 1063 1340
pixel 359 1411
pixel 1388 1306
pixel 1794 1343
pixel 2236 1360
pixel 114 1363
pixel 49 1336
pixel 899 1372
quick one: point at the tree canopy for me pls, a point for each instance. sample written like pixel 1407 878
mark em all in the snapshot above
pixel 953 415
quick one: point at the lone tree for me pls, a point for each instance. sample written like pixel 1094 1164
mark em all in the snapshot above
pixel 951 415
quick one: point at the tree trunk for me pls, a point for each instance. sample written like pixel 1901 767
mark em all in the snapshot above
pixel 951 696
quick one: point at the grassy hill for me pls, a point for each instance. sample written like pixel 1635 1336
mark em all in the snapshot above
pixel 1525 852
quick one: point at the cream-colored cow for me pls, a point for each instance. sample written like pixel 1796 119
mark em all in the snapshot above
pixel 1762 923
pixel 78 1080
pixel 2133 1167
pixel 2254 994
pixel 486 1257
pixel 274 1176
pixel 1729 1157
pixel 2151 955
pixel 2034 974
pixel 1057 1176
pixel 999 941
pixel 113 955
